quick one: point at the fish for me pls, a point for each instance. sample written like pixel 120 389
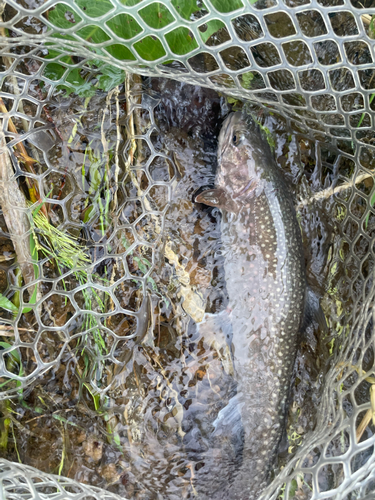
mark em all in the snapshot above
pixel 266 285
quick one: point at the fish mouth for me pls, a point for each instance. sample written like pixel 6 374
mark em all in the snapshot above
pixel 250 186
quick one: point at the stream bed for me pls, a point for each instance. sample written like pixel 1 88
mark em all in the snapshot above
pixel 131 415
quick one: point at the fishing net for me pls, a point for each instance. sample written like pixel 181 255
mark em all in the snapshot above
pixel 20 481
pixel 309 62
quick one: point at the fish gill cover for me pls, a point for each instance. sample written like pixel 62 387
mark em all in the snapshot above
pixel 89 216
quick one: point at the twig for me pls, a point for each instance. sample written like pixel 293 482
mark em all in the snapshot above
pixel 369 415
pixel 327 193
pixel 8 331
pixel 4 258
pixel 133 145
pixel 21 148
pixel 14 206
pixel 366 18
pixel 364 423
pixel 137 83
pixel 135 120
pixel 115 92
pixel 192 476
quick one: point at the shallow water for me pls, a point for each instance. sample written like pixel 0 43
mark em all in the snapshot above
pixel 148 435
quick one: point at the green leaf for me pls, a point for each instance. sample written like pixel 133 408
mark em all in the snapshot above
pixel 88 214
pixel 130 3
pixel 156 15
pixel 120 52
pixel 143 264
pixel 78 84
pixel 293 488
pixel 5 345
pixel 210 28
pixel 246 79
pixel 371 28
pixel 94 395
pixel 83 90
pixel 268 135
pixel 152 283
pixel 372 202
pixel 32 301
pixel 185 8
pixel 15 354
pixel 7 304
pixel 63 419
pixel 111 77
pixel 39 206
pixel 34 256
pixel 107 79
pixel 116 439
pixel 227 5
pixel 95 8
pixel 54 71
pixel 150 48
pixel 124 26
pixel 181 41
pixel 5 383
pixel 63 16
pixel 52 53
pixel 93 34
pixel 42 401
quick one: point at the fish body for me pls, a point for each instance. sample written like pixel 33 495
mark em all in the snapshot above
pixel 265 279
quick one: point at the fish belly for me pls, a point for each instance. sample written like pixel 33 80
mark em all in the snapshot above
pixel 266 288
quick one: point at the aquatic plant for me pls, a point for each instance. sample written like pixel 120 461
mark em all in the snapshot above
pixel 58 245
pixel 68 253
pixel 99 188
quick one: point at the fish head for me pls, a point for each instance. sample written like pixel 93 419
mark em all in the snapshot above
pixel 243 155
pixel 241 152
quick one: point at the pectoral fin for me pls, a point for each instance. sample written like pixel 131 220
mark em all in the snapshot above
pixel 217 198
pixel 211 197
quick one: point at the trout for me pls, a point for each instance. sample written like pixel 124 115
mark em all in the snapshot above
pixel 266 285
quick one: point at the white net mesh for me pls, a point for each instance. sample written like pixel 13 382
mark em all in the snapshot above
pixel 19 481
pixel 310 62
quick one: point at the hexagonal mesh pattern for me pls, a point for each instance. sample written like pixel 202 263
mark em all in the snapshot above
pixel 19 481
pixel 311 62
pixel 107 303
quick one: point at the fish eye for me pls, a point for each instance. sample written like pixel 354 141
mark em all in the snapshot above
pixel 236 138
